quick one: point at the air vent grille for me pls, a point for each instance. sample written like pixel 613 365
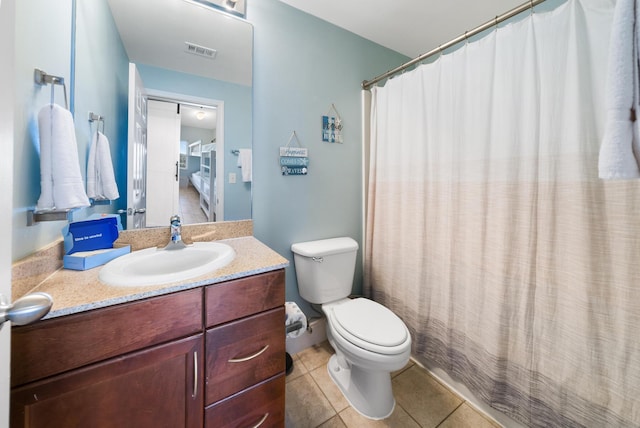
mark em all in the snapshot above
pixel 202 51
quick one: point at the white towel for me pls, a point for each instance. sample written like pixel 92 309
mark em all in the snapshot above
pixel 244 162
pixel 101 181
pixel 620 149
pixel 60 179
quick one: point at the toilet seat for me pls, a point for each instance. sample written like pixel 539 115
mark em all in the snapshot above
pixel 370 326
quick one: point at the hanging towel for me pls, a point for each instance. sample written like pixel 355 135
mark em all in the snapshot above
pixel 101 181
pixel 60 179
pixel 244 162
pixel 620 149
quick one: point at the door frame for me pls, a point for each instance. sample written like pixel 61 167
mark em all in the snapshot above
pixel 220 154
pixel 136 150
pixel 7 75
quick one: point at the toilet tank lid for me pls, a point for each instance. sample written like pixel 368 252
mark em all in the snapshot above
pixel 325 247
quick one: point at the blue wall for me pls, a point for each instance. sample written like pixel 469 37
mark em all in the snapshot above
pixel 237 124
pixel 101 86
pixel 43 38
pixel 301 66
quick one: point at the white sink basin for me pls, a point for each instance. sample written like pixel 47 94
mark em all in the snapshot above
pixel 153 266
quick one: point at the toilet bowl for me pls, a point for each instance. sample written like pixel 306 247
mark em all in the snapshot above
pixel 367 350
pixel 370 341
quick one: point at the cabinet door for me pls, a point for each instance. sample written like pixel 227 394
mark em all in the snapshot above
pixel 156 387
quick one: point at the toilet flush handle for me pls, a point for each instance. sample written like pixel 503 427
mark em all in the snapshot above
pixel 317 259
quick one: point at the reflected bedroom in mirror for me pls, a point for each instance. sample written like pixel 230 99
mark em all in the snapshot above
pixel 173 81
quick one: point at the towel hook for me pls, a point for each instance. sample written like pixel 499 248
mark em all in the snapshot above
pixel 97 118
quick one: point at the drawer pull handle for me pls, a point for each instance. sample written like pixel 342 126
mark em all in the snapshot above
pixel 195 374
pixel 264 418
pixel 250 357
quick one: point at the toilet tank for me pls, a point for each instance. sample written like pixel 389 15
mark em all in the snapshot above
pixel 325 268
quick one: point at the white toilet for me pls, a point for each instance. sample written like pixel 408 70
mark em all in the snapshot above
pixel 370 341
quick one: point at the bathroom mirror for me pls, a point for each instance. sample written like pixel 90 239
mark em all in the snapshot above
pixel 196 57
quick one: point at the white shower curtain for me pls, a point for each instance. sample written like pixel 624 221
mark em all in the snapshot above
pixel 488 231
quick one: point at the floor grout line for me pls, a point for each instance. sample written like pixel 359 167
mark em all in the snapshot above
pixel 323 393
pixel 449 415
pixel 409 414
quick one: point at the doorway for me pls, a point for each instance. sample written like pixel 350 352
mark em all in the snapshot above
pixel 199 165
pixel 198 155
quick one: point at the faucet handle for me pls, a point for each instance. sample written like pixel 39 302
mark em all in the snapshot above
pixel 175 218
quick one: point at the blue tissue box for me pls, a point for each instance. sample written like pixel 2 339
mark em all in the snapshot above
pixel 89 259
pixel 89 243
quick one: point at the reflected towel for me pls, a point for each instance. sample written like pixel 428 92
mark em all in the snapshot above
pixel 101 181
pixel 60 179
pixel 244 162
pixel 620 149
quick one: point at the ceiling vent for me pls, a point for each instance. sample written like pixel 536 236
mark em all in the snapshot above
pixel 200 50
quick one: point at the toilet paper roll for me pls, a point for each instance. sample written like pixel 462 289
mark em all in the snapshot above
pixel 294 314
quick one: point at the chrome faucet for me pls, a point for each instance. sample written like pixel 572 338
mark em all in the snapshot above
pixel 176 233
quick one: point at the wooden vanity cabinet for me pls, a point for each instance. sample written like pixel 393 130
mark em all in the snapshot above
pixel 133 365
pixel 211 356
pixel 245 349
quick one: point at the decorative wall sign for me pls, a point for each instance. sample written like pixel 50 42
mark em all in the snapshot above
pixel 294 160
pixel 332 126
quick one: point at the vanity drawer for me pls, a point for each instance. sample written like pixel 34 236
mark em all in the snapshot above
pixel 243 297
pixel 243 353
pixel 60 344
pixel 261 403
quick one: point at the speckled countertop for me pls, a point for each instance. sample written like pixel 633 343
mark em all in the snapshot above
pixel 79 291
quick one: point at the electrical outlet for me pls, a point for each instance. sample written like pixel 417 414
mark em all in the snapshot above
pixel 232 177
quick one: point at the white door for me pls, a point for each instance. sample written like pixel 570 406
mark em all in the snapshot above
pixel 136 152
pixel 7 17
pixel 163 157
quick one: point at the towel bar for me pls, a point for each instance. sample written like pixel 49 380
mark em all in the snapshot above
pixel 42 78
pixel 34 216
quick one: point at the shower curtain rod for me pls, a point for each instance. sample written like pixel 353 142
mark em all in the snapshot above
pixel 366 84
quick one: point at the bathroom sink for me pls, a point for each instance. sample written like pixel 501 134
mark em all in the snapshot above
pixel 153 266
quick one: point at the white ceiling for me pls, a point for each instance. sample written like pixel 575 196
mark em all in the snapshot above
pixel 411 27
pixel 188 117
pixel 154 32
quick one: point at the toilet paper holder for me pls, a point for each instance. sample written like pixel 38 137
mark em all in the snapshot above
pixel 293 327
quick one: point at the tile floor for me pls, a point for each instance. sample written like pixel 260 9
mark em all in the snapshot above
pixel 190 211
pixel 313 400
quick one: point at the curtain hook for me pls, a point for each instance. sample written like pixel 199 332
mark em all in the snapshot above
pixel 466 39
pixel 531 7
